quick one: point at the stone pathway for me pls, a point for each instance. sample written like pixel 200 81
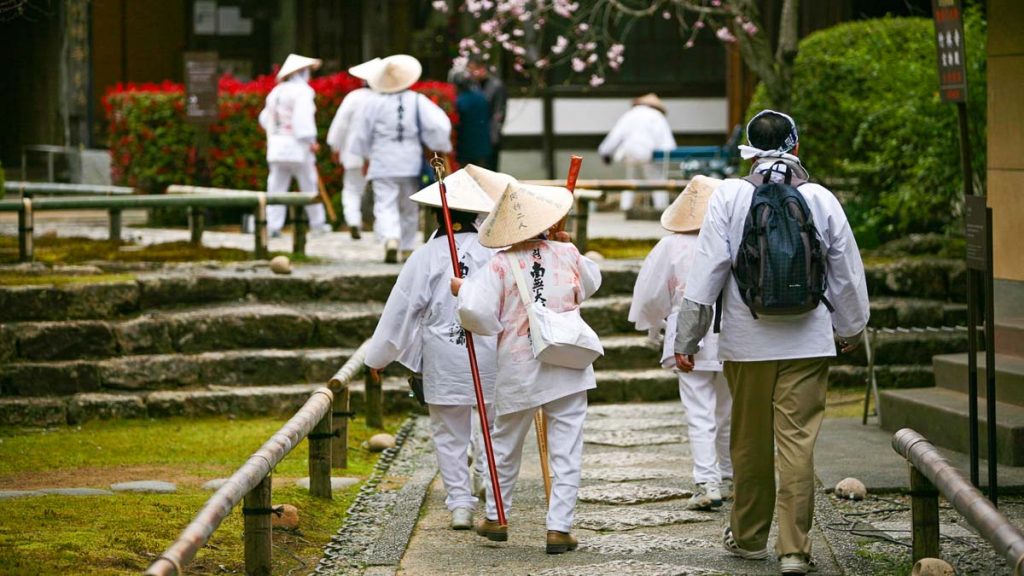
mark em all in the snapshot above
pixel 630 518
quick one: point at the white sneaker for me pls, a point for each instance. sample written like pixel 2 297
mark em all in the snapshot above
pixel 462 519
pixel 730 545
pixel 796 564
pixel 712 490
pixel 321 230
pixel 726 489
pixel 699 501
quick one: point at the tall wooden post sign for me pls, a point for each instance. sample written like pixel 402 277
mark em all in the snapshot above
pixel 952 65
pixel 201 106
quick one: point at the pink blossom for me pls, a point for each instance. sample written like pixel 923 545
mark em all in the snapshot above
pixel 750 28
pixel 578 64
pixel 592 58
pixel 666 15
pixel 596 80
pixel 518 32
pixel 725 35
pixel 561 43
pixel 716 3
pixel 542 63
pixel 689 43
pixel 698 24
pixel 440 5
pixel 583 27
pixel 489 26
pixel 565 8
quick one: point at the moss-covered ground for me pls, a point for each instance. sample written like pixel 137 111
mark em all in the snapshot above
pixel 124 533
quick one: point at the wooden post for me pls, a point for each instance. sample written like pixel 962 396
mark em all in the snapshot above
pixel 115 224
pixel 196 224
pixel 258 532
pixel 924 505
pixel 339 443
pixel 320 458
pixel 374 409
pixel 26 250
pixel 301 224
pixel 260 229
pixel 582 221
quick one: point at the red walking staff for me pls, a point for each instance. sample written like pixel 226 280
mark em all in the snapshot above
pixel 437 163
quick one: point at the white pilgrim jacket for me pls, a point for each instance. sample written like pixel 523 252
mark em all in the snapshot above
pixel 658 295
pixel 637 134
pixel 809 335
pixel 289 119
pixel 342 127
pixel 489 303
pixel 419 326
pixel 390 136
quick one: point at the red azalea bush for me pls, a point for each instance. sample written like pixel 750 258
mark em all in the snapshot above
pixel 152 146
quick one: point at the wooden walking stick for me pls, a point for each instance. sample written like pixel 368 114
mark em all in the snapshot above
pixel 438 164
pixel 540 423
pixel 325 198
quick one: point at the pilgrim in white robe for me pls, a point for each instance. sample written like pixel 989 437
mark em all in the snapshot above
pixel 338 136
pixel 657 296
pixel 489 303
pixel 420 329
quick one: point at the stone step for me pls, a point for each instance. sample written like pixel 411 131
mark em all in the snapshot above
pixel 887 377
pixel 171 371
pixel 941 416
pixel 1010 336
pixel 209 401
pixel 931 278
pixel 951 374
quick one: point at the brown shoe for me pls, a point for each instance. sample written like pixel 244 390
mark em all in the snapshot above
pixel 561 542
pixel 491 530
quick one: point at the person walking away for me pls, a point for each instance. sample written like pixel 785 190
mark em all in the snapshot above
pixel 634 138
pixel 397 125
pixel 776 359
pixel 289 120
pixel 657 297
pixel 419 327
pixel 473 138
pixel 497 98
pixel 338 136
pixel 491 303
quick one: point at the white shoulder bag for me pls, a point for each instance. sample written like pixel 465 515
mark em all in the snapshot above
pixel 558 338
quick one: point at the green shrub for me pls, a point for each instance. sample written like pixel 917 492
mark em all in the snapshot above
pixel 872 124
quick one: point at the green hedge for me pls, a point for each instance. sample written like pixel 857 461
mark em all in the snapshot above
pixel 872 124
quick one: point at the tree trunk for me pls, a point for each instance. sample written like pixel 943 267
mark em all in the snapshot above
pixel 774 70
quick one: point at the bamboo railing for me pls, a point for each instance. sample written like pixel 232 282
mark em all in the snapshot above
pixel 30 189
pixel 252 481
pixel 930 475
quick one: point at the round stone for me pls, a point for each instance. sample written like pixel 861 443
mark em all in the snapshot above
pixel 285 516
pixel 623 519
pixel 381 442
pixel 932 567
pixel 146 486
pixel 594 255
pixel 851 489
pixel 281 265
pixel 630 493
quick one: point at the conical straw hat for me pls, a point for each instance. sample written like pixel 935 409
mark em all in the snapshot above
pixel 523 212
pixel 472 189
pixel 687 212
pixel 396 73
pixel 651 99
pixel 366 70
pixel 293 63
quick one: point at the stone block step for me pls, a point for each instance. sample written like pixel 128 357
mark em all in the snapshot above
pixel 923 277
pixel 209 401
pixel 887 377
pixel 951 374
pixel 940 415
pixel 1010 336
pixel 171 371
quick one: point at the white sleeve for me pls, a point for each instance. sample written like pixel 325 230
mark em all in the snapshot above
pixel 847 288
pixel 480 300
pixel 360 143
pixel 666 140
pixel 266 116
pixel 590 276
pixel 304 116
pixel 713 264
pixel 336 133
pixel 399 323
pixel 435 126
pixel 652 300
pixel 614 138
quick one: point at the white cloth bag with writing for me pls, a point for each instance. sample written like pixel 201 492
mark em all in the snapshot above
pixel 558 338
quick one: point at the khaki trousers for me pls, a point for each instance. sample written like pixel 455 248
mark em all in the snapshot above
pixel 776 404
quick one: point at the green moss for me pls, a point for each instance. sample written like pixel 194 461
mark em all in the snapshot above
pixel 54 250
pixel 7 279
pixel 622 248
pixel 122 534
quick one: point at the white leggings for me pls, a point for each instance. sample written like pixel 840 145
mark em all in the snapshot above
pixel 708 403
pixel 452 427
pixel 279 179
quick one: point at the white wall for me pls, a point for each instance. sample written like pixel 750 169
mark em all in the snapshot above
pixel 525 116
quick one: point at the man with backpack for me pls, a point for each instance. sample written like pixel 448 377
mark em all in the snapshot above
pixel 780 254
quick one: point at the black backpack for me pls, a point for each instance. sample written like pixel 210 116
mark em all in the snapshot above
pixel 780 266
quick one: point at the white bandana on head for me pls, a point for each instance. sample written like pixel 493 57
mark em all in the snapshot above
pixel 749 151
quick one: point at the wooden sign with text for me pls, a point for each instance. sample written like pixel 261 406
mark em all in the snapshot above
pixel 949 37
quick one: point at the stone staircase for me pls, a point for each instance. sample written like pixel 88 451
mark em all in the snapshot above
pixel 239 340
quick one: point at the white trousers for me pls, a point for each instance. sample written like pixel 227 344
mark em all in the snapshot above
pixel 644 171
pixel 352 196
pixel 708 403
pixel 395 216
pixel 565 418
pixel 279 180
pixel 453 434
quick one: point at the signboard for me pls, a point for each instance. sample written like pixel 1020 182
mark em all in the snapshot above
pixel 949 37
pixel 977 219
pixel 201 87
